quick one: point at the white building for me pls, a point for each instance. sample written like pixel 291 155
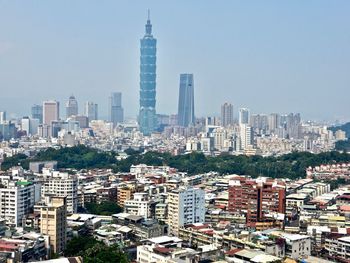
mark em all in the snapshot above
pixel 338 248
pixel 140 205
pixel 297 246
pixel 160 249
pixel 246 136
pixel 30 126
pixel 185 206
pixel 61 185
pixel 16 201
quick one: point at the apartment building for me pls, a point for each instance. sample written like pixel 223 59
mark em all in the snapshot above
pixel 186 205
pixel 140 205
pixel 54 224
pixel 61 184
pixel 123 194
pixel 256 198
pixel 16 201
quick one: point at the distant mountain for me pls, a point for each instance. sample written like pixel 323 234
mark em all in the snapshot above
pixel 345 127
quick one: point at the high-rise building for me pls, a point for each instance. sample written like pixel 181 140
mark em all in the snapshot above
pixel 185 206
pixel 186 101
pixel 62 185
pixel 51 111
pixel 259 123
pixel 2 117
pixel 53 223
pixel 116 111
pixel 256 198
pixel 226 114
pixel 274 122
pixel 16 201
pixel 246 136
pixel 244 116
pixel 82 120
pixel 91 110
pixel 30 126
pixel 8 130
pixel 293 125
pixel 37 112
pixel 147 113
pixel 71 107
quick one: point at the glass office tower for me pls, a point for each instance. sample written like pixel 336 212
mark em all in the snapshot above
pixel 147 113
pixel 186 101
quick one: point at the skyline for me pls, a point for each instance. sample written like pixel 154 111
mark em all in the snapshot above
pixel 43 54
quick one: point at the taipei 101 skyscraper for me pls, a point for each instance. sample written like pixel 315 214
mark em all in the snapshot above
pixel 147 114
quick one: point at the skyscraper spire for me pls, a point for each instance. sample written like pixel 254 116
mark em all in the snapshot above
pixel 148 25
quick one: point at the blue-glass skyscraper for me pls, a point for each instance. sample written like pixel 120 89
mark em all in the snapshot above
pixel 185 113
pixel 147 114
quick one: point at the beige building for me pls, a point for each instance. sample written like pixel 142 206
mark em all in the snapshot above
pixel 54 223
pixel 124 194
pixel 51 111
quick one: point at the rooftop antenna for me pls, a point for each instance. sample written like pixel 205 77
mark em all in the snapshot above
pixel 148 14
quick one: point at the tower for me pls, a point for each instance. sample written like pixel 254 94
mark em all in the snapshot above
pixel 186 205
pixel 51 111
pixel 37 112
pixel 244 116
pixel 53 223
pixel 116 111
pixel 71 107
pixel 91 110
pixel 148 50
pixel 186 101
pixel 226 114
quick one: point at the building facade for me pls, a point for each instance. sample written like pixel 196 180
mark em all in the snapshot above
pixel 62 185
pixel 17 200
pixel 147 113
pixel 54 224
pixel 226 114
pixel 244 116
pixel 256 198
pixel 51 111
pixel 37 112
pixel 116 111
pixel 91 110
pixel 185 206
pixel 186 101
pixel 71 107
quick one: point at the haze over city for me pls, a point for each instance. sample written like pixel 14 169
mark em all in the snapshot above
pixel 270 56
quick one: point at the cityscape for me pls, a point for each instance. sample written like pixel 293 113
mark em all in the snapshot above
pixel 236 185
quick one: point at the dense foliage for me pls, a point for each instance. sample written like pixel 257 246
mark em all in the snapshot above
pixel 104 208
pixel 94 251
pixel 343 146
pixel 291 165
pixel 18 159
pixel 78 157
pixel 345 127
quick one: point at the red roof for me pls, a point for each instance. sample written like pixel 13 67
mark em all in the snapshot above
pixel 344 197
pixel 162 250
pixel 232 252
pixel 345 208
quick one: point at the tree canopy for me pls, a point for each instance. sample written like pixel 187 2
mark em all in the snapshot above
pixel 94 251
pixel 290 165
pixel 104 208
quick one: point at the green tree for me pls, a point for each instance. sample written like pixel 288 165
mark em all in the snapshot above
pixel 105 208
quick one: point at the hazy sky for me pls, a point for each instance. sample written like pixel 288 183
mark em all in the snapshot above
pixel 269 56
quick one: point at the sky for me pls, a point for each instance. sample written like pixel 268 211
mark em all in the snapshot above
pixel 269 56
